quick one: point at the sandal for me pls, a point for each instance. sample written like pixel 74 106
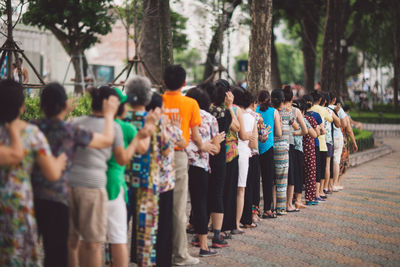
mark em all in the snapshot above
pixel 294 210
pixel 281 212
pixel 271 215
pixel 247 226
pixel 226 235
pixel 237 232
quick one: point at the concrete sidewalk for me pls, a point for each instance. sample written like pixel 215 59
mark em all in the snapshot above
pixel 359 226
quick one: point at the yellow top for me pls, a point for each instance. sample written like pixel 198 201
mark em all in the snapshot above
pixel 325 116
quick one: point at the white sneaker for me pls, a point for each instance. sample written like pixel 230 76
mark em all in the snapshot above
pixel 188 261
pixel 339 187
pixel 335 189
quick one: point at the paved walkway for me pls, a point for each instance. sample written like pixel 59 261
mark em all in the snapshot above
pixel 359 226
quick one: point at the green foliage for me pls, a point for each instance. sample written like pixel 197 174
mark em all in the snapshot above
pixel 33 112
pixel 364 140
pixel 190 60
pixel 178 26
pixel 376 117
pixel 76 24
pixel 290 61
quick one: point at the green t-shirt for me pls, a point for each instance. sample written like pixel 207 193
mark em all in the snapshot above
pixel 116 172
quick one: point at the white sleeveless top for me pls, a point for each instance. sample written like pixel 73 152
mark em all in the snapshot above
pixel 248 124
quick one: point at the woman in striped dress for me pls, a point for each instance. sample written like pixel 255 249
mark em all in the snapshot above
pixel 281 151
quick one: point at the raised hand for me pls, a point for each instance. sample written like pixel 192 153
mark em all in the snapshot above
pixel 218 138
pixel 176 120
pixel 229 99
pixel 110 106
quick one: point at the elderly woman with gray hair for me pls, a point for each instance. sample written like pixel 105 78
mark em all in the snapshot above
pixel 142 174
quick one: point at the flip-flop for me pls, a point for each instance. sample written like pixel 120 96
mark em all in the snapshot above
pixel 271 215
pixel 295 210
pixel 226 235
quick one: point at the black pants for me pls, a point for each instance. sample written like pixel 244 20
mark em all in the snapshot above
pixel 53 224
pixel 318 165
pixel 323 163
pixel 198 187
pixel 131 206
pixel 230 195
pixel 267 175
pixel 299 171
pixel 250 190
pixel 216 184
pixel 164 234
pixel 256 193
pixel 292 169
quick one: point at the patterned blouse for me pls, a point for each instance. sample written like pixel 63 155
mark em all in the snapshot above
pixel 208 130
pixel 18 240
pixel 167 170
pixel 231 144
pixel 62 137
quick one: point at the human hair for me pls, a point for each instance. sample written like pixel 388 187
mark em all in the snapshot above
pixel 208 87
pixel 277 97
pixel 201 96
pixel 308 100
pixel 121 109
pixel 326 99
pixel 99 95
pixel 53 99
pixel 155 102
pixel 316 96
pixel 248 99
pixel 138 90
pixel 238 96
pixel 287 91
pixel 174 77
pixel 221 87
pixel 264 100
pixel 20 60
pixel 346 108
pixel 332 96
pixel 300 104
pixel 11 100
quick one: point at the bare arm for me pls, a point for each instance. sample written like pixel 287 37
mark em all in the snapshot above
pixel 242 133
pixel 13 154
pixel 278 124
pixel 50 166
pixel 25 73
pixel 300 119
pixel 312 133
pixel 110 107
pixel 336 120
pixel 349 131
pixel 253 143
pixel 235 126
pixel 207 147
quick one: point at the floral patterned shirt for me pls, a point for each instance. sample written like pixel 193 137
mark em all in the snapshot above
pixel 18 240
pixel 167 170
pixel 208 130
pixel 62 137
pixel 298 140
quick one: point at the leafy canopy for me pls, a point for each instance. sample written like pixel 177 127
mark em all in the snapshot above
pixel 75 23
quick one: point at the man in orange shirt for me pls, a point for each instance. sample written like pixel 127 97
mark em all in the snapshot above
pixel 188 110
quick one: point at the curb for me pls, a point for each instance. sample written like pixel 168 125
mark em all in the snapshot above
pixel 368 155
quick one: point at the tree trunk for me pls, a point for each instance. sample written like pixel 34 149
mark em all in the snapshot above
pixel 330 62
pixel 309 33
pixel 275 73
pixel 165 34
pixel 149 48
pixel 259 77
pixel 218 38
pixel 396 54
pixel 79 72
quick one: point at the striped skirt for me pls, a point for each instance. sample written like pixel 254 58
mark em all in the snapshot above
pixel 281 162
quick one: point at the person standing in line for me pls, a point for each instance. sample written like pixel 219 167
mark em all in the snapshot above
pixel 299 121
pixel 51 198
pixel 188 109
pixel 322 153
pixel 24 72
pixel 281 151
pixel 199 169
pixel 222 109
pixel 310 166
pixel 272 119
pixel 18 236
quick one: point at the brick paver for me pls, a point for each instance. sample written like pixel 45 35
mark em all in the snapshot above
pixel 359 226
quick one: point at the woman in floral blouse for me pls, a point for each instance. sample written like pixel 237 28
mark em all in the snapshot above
pixel 199 169
pixel 18 238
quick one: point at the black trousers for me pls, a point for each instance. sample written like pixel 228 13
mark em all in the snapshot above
pixel 292 169
pixel 250 190
pixel 267 176
pixel 198 188
pixel 53 224
pixel 230 195
pixel 164 234
pixel 299 171
pixel 256 193
pixel 318 164
pixel 131 206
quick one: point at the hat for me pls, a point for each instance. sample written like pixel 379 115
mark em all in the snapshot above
pixel 122 96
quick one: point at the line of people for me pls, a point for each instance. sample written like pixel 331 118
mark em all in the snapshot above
pixel 79 183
